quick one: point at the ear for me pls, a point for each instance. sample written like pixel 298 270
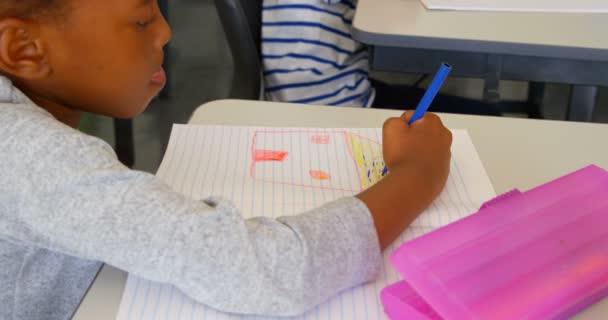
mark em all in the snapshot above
pixel 22 53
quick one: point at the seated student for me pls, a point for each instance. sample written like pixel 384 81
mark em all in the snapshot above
pixel 67 205
pixel 309 56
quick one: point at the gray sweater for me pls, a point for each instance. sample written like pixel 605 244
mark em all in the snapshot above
pixel 67 205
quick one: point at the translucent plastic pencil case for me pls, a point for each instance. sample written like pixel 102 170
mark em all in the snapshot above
pixel 542 254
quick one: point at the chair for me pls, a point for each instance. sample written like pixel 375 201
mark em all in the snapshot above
pixel 242 23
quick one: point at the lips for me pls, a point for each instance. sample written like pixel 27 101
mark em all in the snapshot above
pixel 159 77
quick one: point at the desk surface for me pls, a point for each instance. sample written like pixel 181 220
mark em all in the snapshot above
pixel 407 23
pixel 515 152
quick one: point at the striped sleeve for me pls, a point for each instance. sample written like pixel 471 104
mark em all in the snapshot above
pixel 309 55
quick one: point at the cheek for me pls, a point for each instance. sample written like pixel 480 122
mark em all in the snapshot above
pixel 126 93
pixel 137 98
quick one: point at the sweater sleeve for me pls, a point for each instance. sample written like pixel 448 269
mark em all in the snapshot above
pixel 67 192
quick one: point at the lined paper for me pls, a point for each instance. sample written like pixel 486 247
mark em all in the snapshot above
pixel 285 171
pixel 564 6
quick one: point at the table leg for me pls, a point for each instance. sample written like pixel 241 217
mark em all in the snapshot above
pixel 492 77
pixel 123 137
pixel 536 92
pixel 582 103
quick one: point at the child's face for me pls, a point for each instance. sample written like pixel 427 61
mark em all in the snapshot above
pixel 105 56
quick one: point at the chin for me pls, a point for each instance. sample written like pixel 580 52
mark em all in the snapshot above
pixel 130 112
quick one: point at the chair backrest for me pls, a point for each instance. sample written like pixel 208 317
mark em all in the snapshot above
pixel 242 23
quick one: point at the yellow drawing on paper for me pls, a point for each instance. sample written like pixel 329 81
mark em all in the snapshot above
pixel 368 158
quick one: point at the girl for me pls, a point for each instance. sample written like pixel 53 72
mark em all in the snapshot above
pixel 67 205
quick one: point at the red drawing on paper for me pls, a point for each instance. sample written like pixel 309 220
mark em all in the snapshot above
pixel 320 139
pixel 269 155
pixel 319 175
pixel 325 160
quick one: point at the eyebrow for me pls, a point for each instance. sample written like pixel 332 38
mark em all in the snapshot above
pixel 143 3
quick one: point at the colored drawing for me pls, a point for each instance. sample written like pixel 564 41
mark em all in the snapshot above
pixel 368 157
pixel 269 155
pixel 351 163
pixel 319 175
pixel 320 139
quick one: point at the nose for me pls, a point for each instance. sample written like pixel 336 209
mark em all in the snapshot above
pixel 164 33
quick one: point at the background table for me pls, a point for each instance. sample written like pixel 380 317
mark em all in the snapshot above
pixel 535 47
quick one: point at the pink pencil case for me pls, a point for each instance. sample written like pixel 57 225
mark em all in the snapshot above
pixel 542 254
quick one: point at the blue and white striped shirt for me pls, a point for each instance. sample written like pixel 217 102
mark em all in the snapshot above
pixel 309 55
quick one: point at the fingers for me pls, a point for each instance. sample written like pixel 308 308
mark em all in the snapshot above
pixel 394 122
pixel 450 138
pixel 429 120
pixel 428 117
pixel 407 115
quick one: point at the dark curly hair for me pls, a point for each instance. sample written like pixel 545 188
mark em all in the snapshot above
pixel 31 9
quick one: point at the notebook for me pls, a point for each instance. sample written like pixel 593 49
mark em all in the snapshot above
pixel 565 6
pixel 284 171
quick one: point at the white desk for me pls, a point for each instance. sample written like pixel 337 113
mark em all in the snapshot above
pixel 539 47
pixel 515 152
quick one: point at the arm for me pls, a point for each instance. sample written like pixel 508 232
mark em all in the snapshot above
pixel 70 195
pixel 84 203
pixel 418 158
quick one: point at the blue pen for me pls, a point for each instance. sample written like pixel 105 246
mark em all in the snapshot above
pixel 431 92
pixel 428 97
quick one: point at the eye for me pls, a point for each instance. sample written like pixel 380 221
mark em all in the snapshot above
pixel 145 20
pixel 143 24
